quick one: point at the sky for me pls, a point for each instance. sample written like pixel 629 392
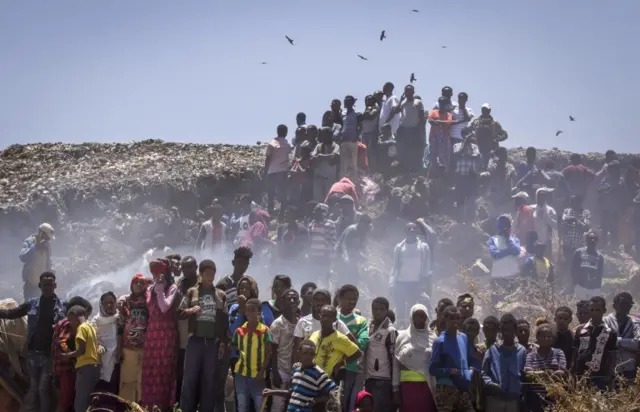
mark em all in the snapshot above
pixel 189 71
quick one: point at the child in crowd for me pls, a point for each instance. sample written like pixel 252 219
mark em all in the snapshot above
pixel 365 402
pixel 306 294
pixel 282 345
pixel 471 328
pixel 86 356
pixel 63 368
pixel 490 328
pixel 333 347
pixel 582 312
pixel 523 333
pixel 310 386
pixel 449 365
pixel 379 356
pixel 564 336
pixel 252 340
pixel 348 296
pixel 502 369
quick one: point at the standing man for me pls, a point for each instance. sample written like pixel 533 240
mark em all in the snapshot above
pixel 370 131
pixel 36 256
pixel 276 168
pixel 213 233
pixel 324 160
pixel 388 111
pixel 349 141
pixel 545 220
pixel 505 251
pixel 229 284
pixel 447 94
pixel 43 313
pixel 502 179
pixel 578 176
pixel 411 272
pixel 467 167
pixel 587 269
pixel 409 143
pixel 627 329
pixel 462 115
pixel 576 221
pixel 488 132
pixel 205 308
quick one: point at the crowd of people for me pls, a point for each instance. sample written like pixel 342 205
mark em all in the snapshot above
pixel 182 333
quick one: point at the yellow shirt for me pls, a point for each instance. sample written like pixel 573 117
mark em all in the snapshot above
pixel 87 333
pixel 331 350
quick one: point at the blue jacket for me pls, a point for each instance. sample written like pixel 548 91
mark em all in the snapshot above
pixel 505 368
pixel 450 352
pixel 31 309
pixel 28 254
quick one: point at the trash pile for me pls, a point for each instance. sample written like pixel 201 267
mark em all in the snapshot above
pixel 104 199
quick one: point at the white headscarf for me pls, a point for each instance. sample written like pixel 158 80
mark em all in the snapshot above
pixel 107 333
pixel 413 346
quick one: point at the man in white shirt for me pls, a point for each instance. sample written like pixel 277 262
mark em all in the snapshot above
pixel 545 219
pixel 462 115
pixel 409 143
pixel 276 167
pixel 388 111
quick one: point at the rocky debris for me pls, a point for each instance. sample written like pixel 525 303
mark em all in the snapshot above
pixel 104 199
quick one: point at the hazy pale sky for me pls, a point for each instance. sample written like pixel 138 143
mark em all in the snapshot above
pixel 189 71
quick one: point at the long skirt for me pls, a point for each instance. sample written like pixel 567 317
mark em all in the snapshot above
pixel 416 397
pixel 159 359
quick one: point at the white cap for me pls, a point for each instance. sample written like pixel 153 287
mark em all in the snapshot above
pixel 486 106
pixel 521 195
pixel 47 229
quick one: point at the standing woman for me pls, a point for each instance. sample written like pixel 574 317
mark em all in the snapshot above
pixel 410 378
pixel 440 147
pixel 106 325
pixel 161 342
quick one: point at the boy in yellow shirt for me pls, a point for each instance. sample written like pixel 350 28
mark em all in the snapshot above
pixel 333 348
pixel 86 356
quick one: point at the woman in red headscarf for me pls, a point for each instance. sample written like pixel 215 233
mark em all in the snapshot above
pixel 160 345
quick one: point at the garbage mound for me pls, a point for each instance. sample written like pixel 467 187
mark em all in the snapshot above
pixel 104 199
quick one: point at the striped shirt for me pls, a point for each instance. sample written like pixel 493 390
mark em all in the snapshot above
pixel 252 348
pixel 308 384
pixel 228 286
pixel 323 239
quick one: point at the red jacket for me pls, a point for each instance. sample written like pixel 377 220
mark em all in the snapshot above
pixel 345 187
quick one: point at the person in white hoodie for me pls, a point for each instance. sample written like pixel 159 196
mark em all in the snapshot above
pixel 545 219
pixel 505 251
pixel 410 275
pixel 106 326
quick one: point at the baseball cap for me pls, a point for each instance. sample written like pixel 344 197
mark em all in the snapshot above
pixel 48 230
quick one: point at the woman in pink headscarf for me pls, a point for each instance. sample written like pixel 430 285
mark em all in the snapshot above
pixel 161 338
pixel 258 234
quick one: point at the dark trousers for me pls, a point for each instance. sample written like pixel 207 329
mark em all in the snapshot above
pixel 87 378
pixel 179 374
pixel 200 368
pixel 465 193
pixel 39 395
pixel 410 148
pixel 382 392
pixel 277 190
pixel 221 381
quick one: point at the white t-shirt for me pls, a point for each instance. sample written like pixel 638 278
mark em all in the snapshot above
pixel 307 325
pixel 456 129
pixel 279 149
pixel 387 105
pixel 411 263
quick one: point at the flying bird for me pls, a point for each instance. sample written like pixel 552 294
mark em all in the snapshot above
pixel 383 35
pixel 412 78
pixel 263 62
pixel 415 11
pixel 290 40
pixel 571 118
pixel 559 132
pixel 444 47
pixel 362 57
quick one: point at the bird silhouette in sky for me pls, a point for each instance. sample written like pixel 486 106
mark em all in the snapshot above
pixel 571 118
pixel 415 11
pixel 263 62
pixel 444 47
pixel 383 35
pixel 559 132
pixel 290 40
pixel 412 78
pixel 362 57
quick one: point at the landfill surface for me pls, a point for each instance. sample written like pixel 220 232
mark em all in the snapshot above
pixel 104 199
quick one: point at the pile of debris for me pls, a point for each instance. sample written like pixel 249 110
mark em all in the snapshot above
pixel 104 199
